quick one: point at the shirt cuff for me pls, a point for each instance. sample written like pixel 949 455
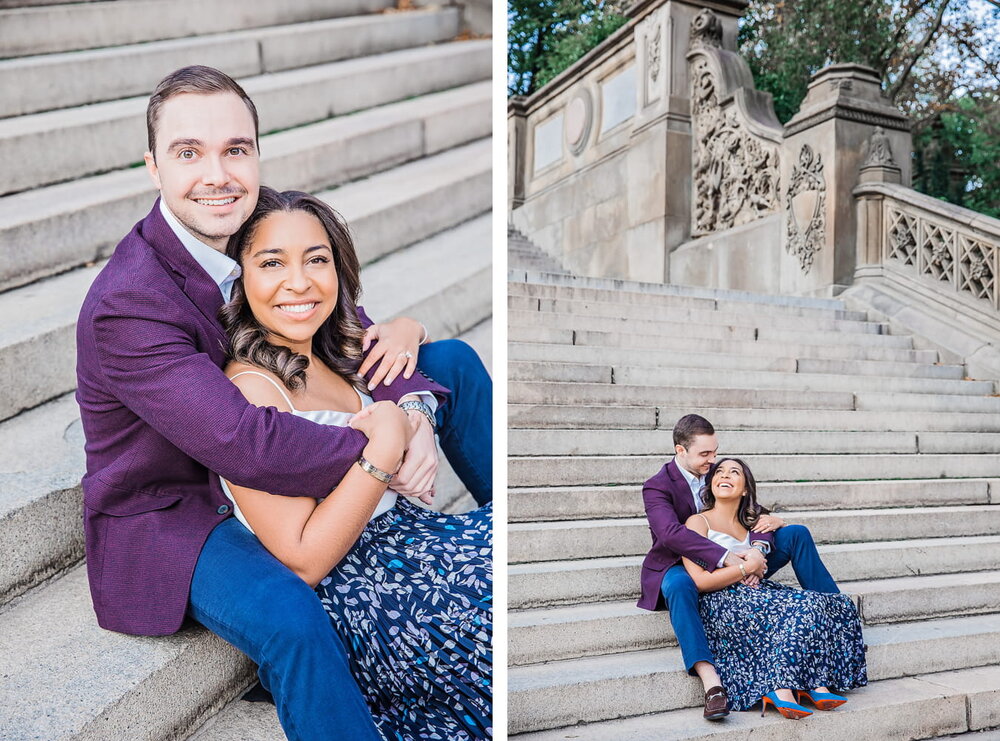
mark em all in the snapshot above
pixel 763 544
pixel 722 561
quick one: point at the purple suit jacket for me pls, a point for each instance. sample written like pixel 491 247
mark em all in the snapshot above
pixel 668 501
pixel 159 415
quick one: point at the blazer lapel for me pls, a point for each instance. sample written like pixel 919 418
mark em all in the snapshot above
pixel 192 278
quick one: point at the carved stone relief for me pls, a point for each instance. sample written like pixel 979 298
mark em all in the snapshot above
pixel 806 215
pixel 736 175
pixel 879 150
pixel 706 30
pixel 938 252
pixel 977 268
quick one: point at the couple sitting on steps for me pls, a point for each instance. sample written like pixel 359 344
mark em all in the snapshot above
pixel 225 368
pixel 749 639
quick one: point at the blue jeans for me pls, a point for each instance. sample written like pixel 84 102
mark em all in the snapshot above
pixel 792 543
pixel 465 423
pixel 243 594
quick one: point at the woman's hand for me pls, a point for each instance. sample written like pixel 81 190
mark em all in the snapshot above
pixel 395 351
pixel 767 524
pixel 388 430
pixel 420 461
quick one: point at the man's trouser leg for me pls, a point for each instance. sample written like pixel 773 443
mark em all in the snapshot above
pixel 465 423
pixel 681 596
pixel 243 594
pixel 795 543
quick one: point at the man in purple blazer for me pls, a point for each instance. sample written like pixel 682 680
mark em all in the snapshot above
pixel 161 420
pixel 670 498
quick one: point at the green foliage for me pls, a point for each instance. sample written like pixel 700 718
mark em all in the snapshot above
pixel 938 61
pixel 544 37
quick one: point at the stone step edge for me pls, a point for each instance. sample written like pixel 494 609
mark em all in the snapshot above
pixel 672 289
pixel 917 707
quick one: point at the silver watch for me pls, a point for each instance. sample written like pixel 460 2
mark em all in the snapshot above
pixel 422 407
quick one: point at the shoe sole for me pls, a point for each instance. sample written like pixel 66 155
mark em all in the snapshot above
pixel 717 716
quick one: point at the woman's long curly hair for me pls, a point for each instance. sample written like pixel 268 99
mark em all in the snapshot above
pixel 337 343
pixel 749 511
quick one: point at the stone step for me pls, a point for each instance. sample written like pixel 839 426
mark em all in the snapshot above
pixel 41 503
pixel 603 687
pixel 242 720
pixel 63 226
pixel 596 313
pixel 416 200
pixel 694 397
pixel 59 28
pixel 64 677
pixel 529 442
pixel 532 504
pixel 552 583
pixel 785 362
pixel 37 321
pixel 560 633
pixel 713 323
pixel 574 415
pixel 41 450
pixel 107 136
pixel 919 707
pixel 628 375
pixel 53 81
pixel 670 331
pixel 578 539
pixel 634 469
pixel 585 288
pixel 819 349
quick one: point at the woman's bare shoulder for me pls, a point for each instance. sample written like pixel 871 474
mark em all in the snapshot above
pixel 257 385
pixel 698 523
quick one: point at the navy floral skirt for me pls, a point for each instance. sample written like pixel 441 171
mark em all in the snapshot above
pixel 777 637
pixel 413 599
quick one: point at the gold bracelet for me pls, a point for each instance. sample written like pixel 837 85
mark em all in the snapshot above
pixel 372 470
pixel 742 569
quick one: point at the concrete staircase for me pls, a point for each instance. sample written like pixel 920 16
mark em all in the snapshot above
pixel 891 458
pixel 381 112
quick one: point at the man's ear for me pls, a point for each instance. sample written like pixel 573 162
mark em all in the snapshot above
pixel 151 168
pixel 680 450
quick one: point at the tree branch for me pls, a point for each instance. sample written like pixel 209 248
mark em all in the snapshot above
pixel 921 47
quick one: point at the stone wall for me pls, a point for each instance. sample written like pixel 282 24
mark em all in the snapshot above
pixel 600 158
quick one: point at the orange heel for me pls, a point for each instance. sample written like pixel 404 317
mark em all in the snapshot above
pixel 788 709
pixel 822 700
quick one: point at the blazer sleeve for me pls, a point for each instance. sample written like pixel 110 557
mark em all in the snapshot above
pixel 146 351
pixel 400 387
pixel 674 534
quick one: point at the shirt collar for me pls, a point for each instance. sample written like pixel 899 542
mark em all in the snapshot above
pixel 690 477
pixel 220 267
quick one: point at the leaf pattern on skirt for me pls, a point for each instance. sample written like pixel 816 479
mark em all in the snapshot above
pixel 413 599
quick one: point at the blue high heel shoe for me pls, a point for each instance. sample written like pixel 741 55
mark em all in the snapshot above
pixel 822 700
pixel 788 709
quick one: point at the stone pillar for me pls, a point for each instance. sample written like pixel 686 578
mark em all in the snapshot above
pixel 878 167
pixel 516 141
pixel 823 152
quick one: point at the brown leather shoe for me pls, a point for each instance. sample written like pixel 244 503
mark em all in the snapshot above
pixel 716 704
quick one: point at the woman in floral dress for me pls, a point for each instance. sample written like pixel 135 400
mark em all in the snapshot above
pixel 772 643
pixel 409 590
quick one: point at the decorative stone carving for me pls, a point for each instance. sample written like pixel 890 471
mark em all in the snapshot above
pixel 879 150
pixel 654 54
pixel 977 272
pixel 937 250
pixel 706 30
pixel 736 175
pixel 806 217
pixel 579 118
pixel 902 244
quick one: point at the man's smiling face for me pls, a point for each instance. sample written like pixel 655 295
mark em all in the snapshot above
pixel 206 165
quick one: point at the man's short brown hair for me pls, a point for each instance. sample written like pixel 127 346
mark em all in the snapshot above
pixel 199 80
pixel 689 427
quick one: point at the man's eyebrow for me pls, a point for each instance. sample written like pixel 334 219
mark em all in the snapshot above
pixel 184 143
pixel 241 141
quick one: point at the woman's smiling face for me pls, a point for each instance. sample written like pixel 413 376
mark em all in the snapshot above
pixel 289 277
pixel 729 481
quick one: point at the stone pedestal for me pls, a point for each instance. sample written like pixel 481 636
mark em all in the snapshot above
pixel 826 145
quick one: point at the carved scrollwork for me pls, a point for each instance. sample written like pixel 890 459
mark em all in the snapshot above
pixel 654 55
pixel 806 215
pixel 706 30
pixel 735 174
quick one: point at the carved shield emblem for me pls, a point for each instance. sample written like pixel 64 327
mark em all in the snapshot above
pixel 806 219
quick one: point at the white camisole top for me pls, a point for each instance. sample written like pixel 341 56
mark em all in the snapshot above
pixel 319 416
pixel 727 541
